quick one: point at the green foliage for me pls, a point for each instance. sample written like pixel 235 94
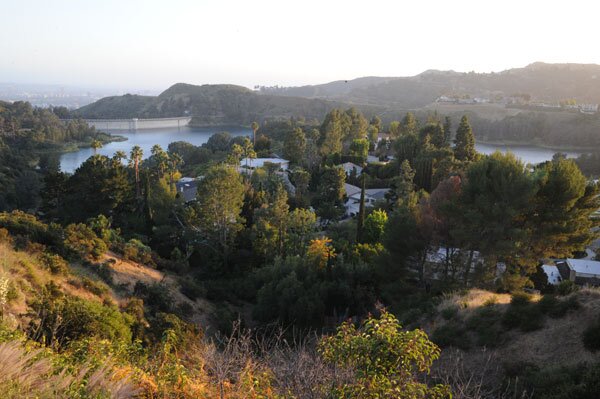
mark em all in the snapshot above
pixel 136 251
pixel 295 146
pixel 486 323
pixel 580 381
pixel 55 263
pixel 57 318
pixel 566 287
pixel 385 358
pixel 522 314
pixel 464 143
pixel 83 242
pixel 374 227
pixel 451 334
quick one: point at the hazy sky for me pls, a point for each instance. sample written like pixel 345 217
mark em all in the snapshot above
pixel 153 44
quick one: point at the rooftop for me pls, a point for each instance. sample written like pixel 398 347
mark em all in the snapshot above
pixel 584 266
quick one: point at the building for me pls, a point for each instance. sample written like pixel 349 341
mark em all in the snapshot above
pixel 253 163
pixel 349 167
pixel 372 195
pixel 553 274
pixel 187 188
pixel 580 271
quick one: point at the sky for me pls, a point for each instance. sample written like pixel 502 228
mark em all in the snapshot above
pixel 152 44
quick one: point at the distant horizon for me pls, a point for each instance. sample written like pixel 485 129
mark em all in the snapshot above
pixel 157 90
pixel 149 45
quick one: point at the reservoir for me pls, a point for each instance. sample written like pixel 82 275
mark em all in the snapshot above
pixel 146 138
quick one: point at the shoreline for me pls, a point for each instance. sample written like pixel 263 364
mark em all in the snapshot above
pixel 582 149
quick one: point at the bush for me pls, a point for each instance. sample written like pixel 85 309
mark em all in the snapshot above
pixel 59 318
pixel 136 251
pixel 83 242
pixel 95 287
pixel 556 308
pixel 192 289
pixel 485 322
pixel 591 337
pixel 451 334
pixel 449 313
pixel 55 263
pixel 522 314
pixel 566 287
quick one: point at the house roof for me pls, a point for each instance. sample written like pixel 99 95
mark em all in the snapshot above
pixel 260 162
pixel 351 190
pixel 584 266
pixel 187 189
pixel 377 193
pixel 348 166
pixel 553 274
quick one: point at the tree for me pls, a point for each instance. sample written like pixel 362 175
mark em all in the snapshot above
pixel 490 211
pixel 96 145
pixel 294 146
pixel 403 184
pixel 270 228
pixel 329 200
pixel 560 222
pixel 135 157
pixel 357 128
pixel 464 143
pixel 301 180
pixel 376 122
pixel 320 252
pixel 374 227
pixel 409 124
pixel 394 129
pixel 359 148
pixel 301 225
pixel 447 128
pixel 332 132
pixel 254 127
pixel 216 214
pixel 386 360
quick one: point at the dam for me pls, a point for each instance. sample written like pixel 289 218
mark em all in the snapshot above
pixel 137 123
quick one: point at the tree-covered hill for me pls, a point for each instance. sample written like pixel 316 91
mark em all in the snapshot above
pixel 209 104
pixel 543 82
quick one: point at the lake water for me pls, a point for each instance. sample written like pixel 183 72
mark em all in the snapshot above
pixel 527 153
pixel 146 138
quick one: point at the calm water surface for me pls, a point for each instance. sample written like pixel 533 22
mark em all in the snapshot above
pixel 146 138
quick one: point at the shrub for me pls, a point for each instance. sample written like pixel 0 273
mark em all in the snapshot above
pixel 58 319
pixel 192 289
pixel 136 251
pixel 566 287
pixel 82 241
pixel 95 287
pixel 55 263
pixel 449 313
pixel 522 314
pixel 556 308
pixel 451 334
pixel 591 337
pixel 485 322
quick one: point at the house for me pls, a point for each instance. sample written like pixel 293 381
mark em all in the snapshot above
pixel 253 163
pixel 580 271
pixel 554 277
pixel 372 195
pixel 187 188
pixel 349 167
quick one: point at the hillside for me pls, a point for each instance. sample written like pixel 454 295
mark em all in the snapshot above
pixel 543 82
pixel 210 105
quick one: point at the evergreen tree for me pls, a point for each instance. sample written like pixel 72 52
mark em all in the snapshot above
pixel 464 143
pixel 295 146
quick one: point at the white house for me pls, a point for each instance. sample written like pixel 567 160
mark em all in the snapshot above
pixel 553 274
pixel 372 195
pixel 349 167
pixel 580 271
pixel 253 163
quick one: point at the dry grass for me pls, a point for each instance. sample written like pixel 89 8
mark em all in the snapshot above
pixel 26 374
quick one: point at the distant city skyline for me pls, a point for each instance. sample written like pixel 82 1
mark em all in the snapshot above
pixel 150 45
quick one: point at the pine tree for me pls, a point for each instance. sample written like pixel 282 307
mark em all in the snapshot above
pixel 464 143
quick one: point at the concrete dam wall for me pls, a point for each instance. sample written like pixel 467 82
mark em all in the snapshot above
pixel 135 123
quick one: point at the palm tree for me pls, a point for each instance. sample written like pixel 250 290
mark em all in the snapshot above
pixel 136 156
pixel 96 145
pixel 254 130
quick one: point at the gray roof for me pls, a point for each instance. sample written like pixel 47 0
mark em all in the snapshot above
pixel 187 190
